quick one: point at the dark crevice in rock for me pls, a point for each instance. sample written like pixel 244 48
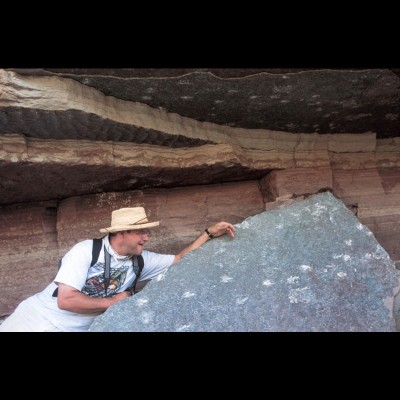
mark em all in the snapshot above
pixel 73 124
pixel 30 183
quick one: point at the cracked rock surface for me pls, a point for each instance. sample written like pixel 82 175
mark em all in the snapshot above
pixel 311 266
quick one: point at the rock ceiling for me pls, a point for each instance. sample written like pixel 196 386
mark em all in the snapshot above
pixel 298 101
pixel 68 132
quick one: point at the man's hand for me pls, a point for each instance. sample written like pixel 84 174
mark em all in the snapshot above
pixel 222 228
pixel 122 295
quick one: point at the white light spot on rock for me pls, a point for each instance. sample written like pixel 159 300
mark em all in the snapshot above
pixel 348 242
pixel 360 227
pixel 346 257
pixel 336 256
pixel 318 210
pixel 141 302
pixel 305 267
pixel 282 89
pixel 292 279
pixel 253 97
pixel 241 301
pixel 226 278
pixel 146 317
pixel 267 282
pixel 392 117
pixel 245 225
pixel 218 101
pixel 186 97
pixel 368 256
pixel 355 117
pixel 183 328
pixel 341 274
pixel 188 294
pixel 160 277
pixel 300 295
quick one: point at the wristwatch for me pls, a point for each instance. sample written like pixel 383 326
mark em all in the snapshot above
pixel 210 235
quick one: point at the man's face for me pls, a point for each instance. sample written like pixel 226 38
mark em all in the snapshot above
pixel 135 240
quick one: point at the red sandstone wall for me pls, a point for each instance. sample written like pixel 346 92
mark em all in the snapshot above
pixel 29 252
pixel 36 235
pixel 376 193
pixel 183 212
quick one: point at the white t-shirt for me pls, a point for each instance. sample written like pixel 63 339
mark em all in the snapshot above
pixel 75 271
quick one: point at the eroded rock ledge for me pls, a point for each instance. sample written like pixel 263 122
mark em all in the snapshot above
pixel 291 100
pixel 46 169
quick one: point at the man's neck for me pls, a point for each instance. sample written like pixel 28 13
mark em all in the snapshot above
pixel 117 246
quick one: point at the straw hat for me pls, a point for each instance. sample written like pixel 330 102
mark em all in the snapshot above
pixel 126 219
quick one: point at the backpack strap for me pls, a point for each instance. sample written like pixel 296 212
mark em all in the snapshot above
pixel 137 264
pixel 96 250
pixel 107 257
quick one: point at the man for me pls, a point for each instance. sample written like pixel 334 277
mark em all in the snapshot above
pixel 80 291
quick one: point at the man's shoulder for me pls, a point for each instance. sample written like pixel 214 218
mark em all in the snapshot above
pixel 85 244
pixel 147 253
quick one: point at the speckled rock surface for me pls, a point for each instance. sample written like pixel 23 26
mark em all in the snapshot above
pixel 311 266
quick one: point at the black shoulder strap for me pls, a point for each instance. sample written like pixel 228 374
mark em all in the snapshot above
pixel 107 258
pixel 96 250
pixel 137 264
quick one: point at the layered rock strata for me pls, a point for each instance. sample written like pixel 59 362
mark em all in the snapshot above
pixel 69 154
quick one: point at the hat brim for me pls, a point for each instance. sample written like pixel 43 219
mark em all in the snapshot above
pixel 119 228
